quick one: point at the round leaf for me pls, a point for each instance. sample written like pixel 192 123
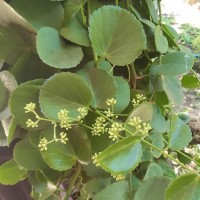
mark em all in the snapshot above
pixel 11 173
pixel 108 39
pixel 121 157
pixel 153 170
pixel 102 85
pixel 28 156
pixel 52 50
pixel 19 98
pixel 64 91
pixel 40 12
pixel 117 191
pixel 152 189
pixel 185 187
pixel 59 156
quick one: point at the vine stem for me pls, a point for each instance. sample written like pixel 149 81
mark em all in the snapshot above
pixel 116 2
pixel 74 178
pixel 154 147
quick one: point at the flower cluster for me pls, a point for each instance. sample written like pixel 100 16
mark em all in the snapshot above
pixel 64 119
pixel 99 127
pixel 32 124
pixel 83 112
pixel 118 177
pixel 30 107
pixel 139 98
pixel 94 158
pixel 63 137
pixel 114 131
pixel 111 102
pixel 140 127
pixel 43 144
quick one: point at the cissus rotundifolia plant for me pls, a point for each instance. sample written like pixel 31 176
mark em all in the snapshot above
pixel 88 89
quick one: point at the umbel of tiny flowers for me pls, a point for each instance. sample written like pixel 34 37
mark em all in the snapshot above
pixel 99 127
pixel 64 119
pixel 114 131
pixel 43 144
pixel 83 112
pixel 118 177
pixel 30 107
pixel 140 127
pixel 139 98
pixel 111 102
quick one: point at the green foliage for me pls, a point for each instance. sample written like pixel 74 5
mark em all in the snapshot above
pixel 88 87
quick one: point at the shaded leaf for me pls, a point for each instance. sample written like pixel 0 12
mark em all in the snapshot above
pixel 80 143
pixel 23 151
pixel 121 157
pixel 179 134
pixel 102 85
pixel 40 13
pixel 3 96
pixel 109 41
pixel 185 187
pixel 152 189
pixel 153 170
pixel 118 191
pixel 172 87
pixel 75 32
pixel 123 94
pixel 52 50
pixel 64 91
pixel 10 84
pixel 11 173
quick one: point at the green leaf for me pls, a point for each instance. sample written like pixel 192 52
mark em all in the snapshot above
pixel 64 91
pixel 158 123
pixel 80 143
pixel 3 96
pixel 190 81
pixel 10 84
pixel 152 10
pixel 152 189
pixel 23 151
pixel 179 134
pixel 75 32
pixel 117 191
pixel 52 50
pixel 18 100
pixel 185 187
pixel 144 111
pixel 108 39
pixel 158 141
pixel 172 87
pixel 102 85
pixel 13 128
pixel 93 187
pixel 123 94
pixel 72 7
pixel 40 13
pixel 3 138
pixel 16 48
pixel 11 173
pixel 121 157
pixel 41 185
pixel 160 40
pixel 173 64
pixel 58 156
pixel 153 170
pixel 30 67
pixel 168 170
